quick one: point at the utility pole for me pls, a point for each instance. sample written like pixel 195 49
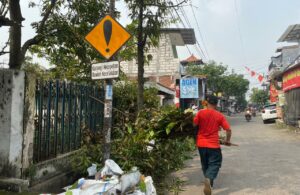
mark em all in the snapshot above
pixel 107 123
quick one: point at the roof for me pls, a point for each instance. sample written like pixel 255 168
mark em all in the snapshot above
pixel 181 36
pixel 287 47
pixel 192 59
pixel 291 34
pixel 166 81
pixel 161 88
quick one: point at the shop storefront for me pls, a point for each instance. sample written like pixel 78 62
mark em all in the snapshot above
pixel 190 91
pixel 291 88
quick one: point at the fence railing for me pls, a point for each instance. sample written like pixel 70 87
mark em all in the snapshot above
pixel 62 111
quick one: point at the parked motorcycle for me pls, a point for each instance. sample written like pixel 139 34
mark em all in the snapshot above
pixel 248 115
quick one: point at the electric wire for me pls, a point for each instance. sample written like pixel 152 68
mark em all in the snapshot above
pixel 178 27
pixel 200 33
pixel 199 51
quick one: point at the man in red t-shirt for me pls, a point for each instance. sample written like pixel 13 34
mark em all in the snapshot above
pixel 209 122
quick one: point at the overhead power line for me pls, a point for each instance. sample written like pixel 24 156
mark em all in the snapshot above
pixel 173 17
pixel 200 34
pixel 188 24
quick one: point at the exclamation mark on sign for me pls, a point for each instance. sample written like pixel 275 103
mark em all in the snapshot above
pixel 107 28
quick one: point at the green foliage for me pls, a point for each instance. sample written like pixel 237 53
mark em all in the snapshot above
pixel 125 102
pixel 64 44
pixel 259 96
pixel 90 152
pixel 153 19
pixel 235 85
pixel 36 69
pixel 130 147
pixel 220 81
pixel 133 133
pixel 125 96
pixel 166 122
pixel 214 72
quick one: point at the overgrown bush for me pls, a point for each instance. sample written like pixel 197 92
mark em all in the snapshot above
pixel 134 133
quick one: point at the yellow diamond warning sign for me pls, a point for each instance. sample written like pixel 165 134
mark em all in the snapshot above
pixel 108 36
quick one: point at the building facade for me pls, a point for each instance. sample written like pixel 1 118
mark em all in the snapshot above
pixel 164 67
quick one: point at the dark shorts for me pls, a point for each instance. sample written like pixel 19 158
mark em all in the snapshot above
pixel 211 161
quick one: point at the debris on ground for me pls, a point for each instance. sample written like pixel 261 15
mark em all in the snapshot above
pixel 112 180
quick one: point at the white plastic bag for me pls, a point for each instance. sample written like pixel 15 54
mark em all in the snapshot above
pixel 150 189
pixel 92 170
pixel 111 168
pixel 150 148
pixel 129 180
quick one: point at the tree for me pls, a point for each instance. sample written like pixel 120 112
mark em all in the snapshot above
pixel 220 81
pixel 259 96
pixel 65 46
pixel 17 51
pixel 214 72
pixel 59 35
pixel 150 16
pixel 235 85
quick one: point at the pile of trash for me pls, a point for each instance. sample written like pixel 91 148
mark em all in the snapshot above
pixel 111 180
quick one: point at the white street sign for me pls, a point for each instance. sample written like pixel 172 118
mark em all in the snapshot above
pixel 106 70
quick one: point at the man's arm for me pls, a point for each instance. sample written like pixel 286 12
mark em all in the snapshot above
pixel 228 137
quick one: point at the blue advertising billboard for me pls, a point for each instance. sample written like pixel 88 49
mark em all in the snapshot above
pixel 189 88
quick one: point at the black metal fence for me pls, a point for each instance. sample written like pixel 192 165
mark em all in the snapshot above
pixel 62 111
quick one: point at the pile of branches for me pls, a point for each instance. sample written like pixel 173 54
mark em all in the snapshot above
pixel 167 122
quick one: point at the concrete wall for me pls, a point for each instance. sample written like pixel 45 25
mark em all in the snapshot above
pixel 29 115
pixel 12 84
pixel 163 62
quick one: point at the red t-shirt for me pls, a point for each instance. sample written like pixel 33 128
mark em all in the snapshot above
pixel 209 122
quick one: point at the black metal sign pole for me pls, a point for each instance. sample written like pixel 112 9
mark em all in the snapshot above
pixel 107 123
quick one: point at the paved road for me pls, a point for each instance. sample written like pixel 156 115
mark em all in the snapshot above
pixel 266 162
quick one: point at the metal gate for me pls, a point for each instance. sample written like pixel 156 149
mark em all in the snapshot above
pixel 62 110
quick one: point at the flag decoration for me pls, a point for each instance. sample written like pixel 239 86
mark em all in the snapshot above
pixel 259 77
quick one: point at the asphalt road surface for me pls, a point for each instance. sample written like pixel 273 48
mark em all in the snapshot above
pixel 266 162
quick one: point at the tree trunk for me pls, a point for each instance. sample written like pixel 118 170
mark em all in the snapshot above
pixel 15 58
pixel 141 45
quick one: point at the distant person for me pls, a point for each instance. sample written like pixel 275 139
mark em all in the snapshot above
pixel 209 122
pixel 195 109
